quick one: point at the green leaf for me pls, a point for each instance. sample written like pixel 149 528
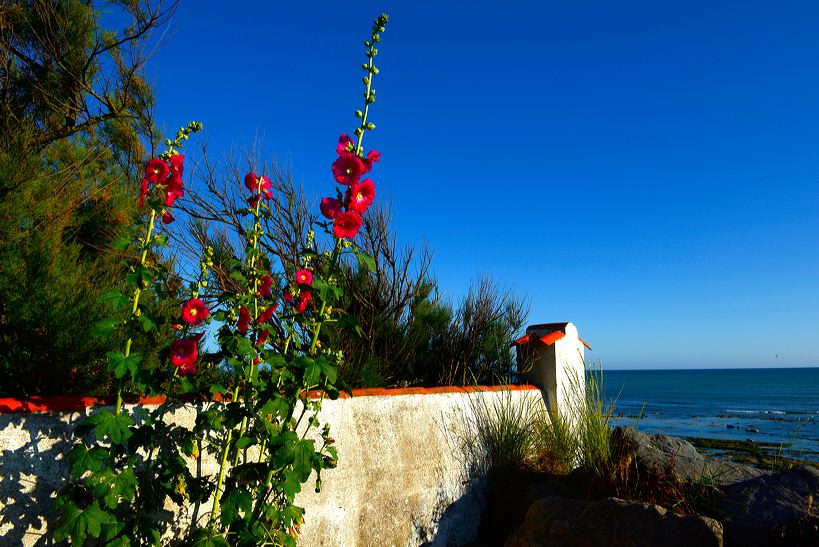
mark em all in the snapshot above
pixel 82 459
pixel 122 242
pixel 147 322
pixel 161 240
pixel 112 486
pixel 238 277
pixel 244 442
pixel 114 426
pixel 121 364
pixel 312 374
pixel 117 299
pixel 79 524
pixel 365 261
pixel 236 502
pixel 106 327
pixel 328 369
pixel 303 455
pixel 327 292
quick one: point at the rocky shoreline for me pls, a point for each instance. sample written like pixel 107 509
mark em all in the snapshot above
pixel 668 493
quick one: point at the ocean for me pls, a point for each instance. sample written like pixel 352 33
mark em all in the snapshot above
pixel 776 406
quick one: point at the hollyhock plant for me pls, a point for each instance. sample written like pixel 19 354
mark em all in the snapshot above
pixel 177 164
pixel 244 320
pixel 330 207
pixel 345 145
pixel 360 196
pixel 348 168
pixel 264 286
pixel 372 157
pixel 156 171
pixel 183 352
pixel 304 277
pixel 304 299
pixel 347 225
pixel 194 312
pixel 267 314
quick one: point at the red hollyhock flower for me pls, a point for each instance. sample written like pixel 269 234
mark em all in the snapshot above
pixel 143 193
pixel 347 225
pixel 184 353
pixel 156 171
pixel 167 218
pixel 288 296
pixel 267 314
pixel 173 189
pixel 265 188
pixel 261 338
pixel 194 312
pixel 244 319
pixel 360 196
pixel 330 207
pixel 304 277
pixel 372 157
pixel 347 169
pixel 188 370
pixel 177 165
pixel 345 145
pixel 304 299
pixel 253 200
pixel 251 181
pixel 264 287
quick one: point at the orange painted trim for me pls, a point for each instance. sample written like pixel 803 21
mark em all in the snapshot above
pixel 552 337
pixel 78 403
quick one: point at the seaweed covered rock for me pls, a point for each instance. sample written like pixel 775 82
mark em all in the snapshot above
pixel 773 509
pixel 613 522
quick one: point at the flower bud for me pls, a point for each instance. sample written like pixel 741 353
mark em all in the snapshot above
pixel 370 126
pixel 358 131
pixel 365 80
pixel 365 66
pixel 359 114
pixel 376 38
pixel 374 70
pixel 367 44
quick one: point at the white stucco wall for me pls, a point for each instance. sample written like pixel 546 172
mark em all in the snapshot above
pixel 409 471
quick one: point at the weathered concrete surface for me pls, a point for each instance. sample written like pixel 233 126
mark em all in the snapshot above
pixel 409 471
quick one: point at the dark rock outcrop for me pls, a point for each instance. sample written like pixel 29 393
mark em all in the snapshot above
pixel 662 454
pixel 612 522
pixel 773 509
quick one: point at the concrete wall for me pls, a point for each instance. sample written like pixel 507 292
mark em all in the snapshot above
pixel 410 471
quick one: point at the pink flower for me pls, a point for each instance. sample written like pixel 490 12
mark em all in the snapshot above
pixel 345 145
pixel 304 277
pixel 167 218
pixel 264 287
pixel 360 196
pixel 244 319
pixel 330 207
pixel 177 167
pixel 347 225
pixel 156 171
pixel 347 169
pixel 304 299
pixel 194 312
pixel 184 353
pixel 265 188
pixel 372 157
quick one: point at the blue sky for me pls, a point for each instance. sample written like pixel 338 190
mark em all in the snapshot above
pixel 647 170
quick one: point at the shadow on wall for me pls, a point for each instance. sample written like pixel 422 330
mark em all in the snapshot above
pixel 32 468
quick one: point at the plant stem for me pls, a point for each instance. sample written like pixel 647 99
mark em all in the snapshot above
pixel 137 293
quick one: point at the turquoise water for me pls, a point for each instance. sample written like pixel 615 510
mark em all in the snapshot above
pixel 763 405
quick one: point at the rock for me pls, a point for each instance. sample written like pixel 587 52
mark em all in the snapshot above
pixel 662 454
pixel 612 522
pixel 773 509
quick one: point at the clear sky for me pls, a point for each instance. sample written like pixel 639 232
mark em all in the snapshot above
pixel 646 170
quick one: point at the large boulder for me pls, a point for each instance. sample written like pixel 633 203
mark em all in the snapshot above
pixel 660 454
pixel 773 509
pixel 612 522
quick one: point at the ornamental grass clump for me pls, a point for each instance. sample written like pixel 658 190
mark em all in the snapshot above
pixel 267 378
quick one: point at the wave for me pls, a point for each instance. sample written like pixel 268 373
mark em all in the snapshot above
pixel 757 411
